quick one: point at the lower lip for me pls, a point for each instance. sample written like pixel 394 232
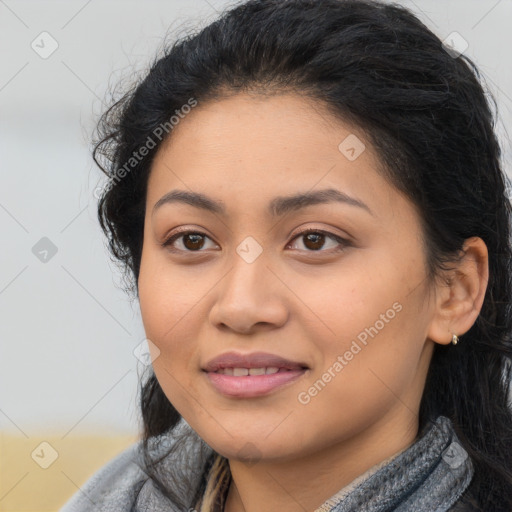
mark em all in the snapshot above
pixel 252 385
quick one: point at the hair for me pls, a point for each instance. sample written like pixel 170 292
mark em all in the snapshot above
pixel 432 123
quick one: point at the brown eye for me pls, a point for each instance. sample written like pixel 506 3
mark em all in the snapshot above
pixel 191 241
pixel 315 240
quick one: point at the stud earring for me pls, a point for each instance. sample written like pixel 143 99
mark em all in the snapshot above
pixel 455 339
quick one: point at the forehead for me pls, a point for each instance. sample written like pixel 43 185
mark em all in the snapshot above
pixel 257 123
pixel 246 147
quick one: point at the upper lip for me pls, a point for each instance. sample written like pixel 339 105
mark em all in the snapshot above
pixel 254 360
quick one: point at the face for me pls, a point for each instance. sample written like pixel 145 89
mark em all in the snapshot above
pixel 283 326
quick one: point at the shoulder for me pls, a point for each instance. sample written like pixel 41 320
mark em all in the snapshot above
pixel 114 487
pixel 124 485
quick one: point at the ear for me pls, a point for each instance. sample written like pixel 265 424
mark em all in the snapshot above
pixel 459 300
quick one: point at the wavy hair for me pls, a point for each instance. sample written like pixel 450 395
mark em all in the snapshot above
pixel 432 122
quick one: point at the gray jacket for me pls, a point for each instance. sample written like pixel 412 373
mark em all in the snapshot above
pixel 429 476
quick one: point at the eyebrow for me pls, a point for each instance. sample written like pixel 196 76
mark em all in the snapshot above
pixel 277 207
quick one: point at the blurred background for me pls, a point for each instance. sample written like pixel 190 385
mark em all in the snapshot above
pixel 72 342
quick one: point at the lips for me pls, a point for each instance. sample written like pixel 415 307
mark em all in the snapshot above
pixel 256 361
pixel 252 375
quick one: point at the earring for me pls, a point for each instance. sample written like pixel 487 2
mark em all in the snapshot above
pixel 455 339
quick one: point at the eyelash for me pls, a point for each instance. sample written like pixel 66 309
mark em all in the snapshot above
pixel 342 241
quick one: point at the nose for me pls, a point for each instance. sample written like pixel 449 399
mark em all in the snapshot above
pixel 249 298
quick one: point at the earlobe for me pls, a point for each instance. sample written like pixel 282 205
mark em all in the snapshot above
pixel 459 300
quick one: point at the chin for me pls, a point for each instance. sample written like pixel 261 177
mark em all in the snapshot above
pixel 253 447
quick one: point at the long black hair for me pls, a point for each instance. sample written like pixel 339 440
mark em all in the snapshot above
pixel 432 122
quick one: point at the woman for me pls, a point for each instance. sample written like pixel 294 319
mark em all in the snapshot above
pixel 309 201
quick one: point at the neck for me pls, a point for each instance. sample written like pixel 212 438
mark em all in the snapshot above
pixel 306 483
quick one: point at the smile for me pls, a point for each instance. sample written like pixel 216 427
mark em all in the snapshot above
pixel 252 382
pixel 241 372
pixel 251 375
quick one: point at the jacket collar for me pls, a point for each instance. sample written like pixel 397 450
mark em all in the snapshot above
pixel 430 475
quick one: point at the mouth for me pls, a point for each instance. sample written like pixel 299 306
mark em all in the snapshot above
pixel 243 372
pixel 251 375
pixel 255 362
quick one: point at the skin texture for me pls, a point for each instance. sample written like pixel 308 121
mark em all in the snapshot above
pixel 298 299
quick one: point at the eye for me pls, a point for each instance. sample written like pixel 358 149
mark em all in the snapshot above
pixel 192 241
pixel 314 240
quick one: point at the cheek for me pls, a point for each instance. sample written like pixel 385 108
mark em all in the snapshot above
pixel 344 305
pixel 166 297
pixel 167 317
pixel 365 369
pixel 168 309
pixel 370 319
